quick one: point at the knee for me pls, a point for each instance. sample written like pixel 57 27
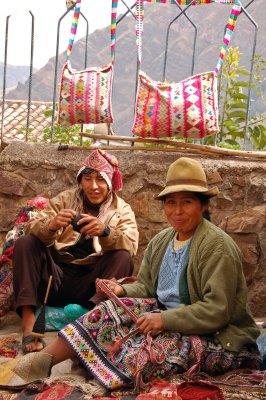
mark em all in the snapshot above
pixel 122 256
pixel 25 242
pixel 124 260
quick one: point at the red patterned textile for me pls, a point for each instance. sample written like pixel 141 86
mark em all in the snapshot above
pixel 26 211
pixel 58 391
pixel 199 390
pixel 161 390
pixel 104 163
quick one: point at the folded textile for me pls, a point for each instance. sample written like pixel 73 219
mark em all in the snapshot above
pixel 199 390
pixel 21 371
pixel 160 390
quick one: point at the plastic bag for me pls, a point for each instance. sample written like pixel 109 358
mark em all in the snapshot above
pixel 56 318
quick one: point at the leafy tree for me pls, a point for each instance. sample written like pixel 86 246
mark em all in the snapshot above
pixel 236 126
pixel 64 134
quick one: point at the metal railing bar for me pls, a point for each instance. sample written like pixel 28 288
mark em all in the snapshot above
pixel 168 33
pixel 255 25
pixel 4 78
pixel 56 62
pixel 243 10
pixel 86 58
pixel 129 10
pixel 30 76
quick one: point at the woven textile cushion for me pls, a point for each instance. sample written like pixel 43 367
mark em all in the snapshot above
pixel 85 96
pixel 188 109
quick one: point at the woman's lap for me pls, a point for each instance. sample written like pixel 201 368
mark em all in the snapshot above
pixel 94 334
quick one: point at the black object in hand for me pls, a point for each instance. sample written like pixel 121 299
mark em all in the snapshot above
pixel 74 221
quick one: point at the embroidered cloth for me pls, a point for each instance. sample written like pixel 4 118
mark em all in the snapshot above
pixel 94 335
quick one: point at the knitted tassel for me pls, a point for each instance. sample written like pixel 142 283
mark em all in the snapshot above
pixel 117 179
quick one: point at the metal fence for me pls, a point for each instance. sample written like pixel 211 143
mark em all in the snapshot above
pixel 181 12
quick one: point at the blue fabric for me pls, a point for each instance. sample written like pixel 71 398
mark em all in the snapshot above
pixel 168 282
pixel 261 342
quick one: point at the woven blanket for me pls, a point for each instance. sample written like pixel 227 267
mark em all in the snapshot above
pixel 8 347
pixel 237 385
pixel 26 211
pixel 58 391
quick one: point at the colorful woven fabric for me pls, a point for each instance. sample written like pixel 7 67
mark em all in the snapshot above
pixel 57 391
pixel 181 2
pixel 199 390
pixel 74 27
pixel 189 108
pixel 8 347
pixel 107 165
pixel 160 390
pixel 235 385
pixel 85 96
pixel 194 2
pixel 94 336
pixel 26 211
pixel 63 390
pixel 228 33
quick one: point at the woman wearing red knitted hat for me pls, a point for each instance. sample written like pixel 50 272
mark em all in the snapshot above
pixel 76 252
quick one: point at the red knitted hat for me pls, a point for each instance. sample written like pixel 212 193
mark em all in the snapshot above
pixel 106 164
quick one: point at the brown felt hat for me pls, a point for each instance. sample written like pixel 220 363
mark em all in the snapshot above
pixel 186 175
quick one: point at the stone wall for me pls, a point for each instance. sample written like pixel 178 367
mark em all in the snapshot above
pixel 30 169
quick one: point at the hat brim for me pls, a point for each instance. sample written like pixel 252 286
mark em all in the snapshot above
pixel 186 188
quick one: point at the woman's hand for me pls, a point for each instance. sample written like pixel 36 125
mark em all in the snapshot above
pixel 150 322
pixel 62 219
pixel 113 286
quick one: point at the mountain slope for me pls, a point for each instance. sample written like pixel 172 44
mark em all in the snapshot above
pixel 14 74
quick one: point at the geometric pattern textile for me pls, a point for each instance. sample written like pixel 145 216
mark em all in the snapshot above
pixel 85 96
pixel 26 211
pixel 188 108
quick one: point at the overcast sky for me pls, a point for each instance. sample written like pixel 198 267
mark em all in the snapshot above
pixel 46 15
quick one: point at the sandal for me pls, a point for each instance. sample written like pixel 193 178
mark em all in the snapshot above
pixel 29 339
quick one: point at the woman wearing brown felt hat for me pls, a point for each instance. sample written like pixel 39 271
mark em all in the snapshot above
pixel 189 299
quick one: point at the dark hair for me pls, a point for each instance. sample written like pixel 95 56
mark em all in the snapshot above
pixel 204 200
pixel 86 171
